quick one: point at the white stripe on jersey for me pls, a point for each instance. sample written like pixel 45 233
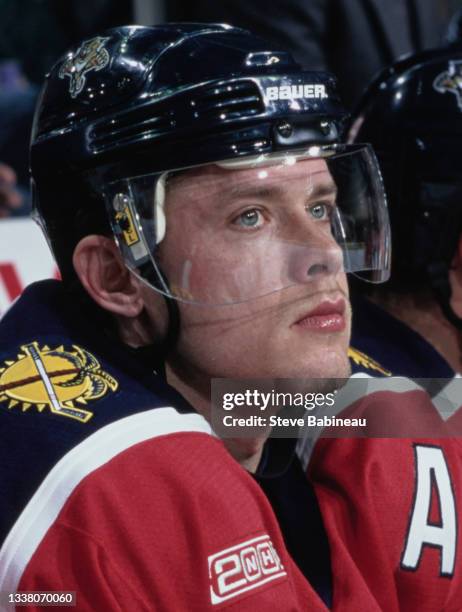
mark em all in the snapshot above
pixel 96 450
pixel 447 402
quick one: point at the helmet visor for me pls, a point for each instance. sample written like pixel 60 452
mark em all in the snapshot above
pixel 238 230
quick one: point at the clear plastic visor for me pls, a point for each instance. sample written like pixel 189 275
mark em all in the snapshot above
pixel 238 230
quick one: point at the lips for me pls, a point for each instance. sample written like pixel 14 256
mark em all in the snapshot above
pixel 328 316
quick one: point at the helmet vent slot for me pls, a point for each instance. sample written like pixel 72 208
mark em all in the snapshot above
pixel 217 104
pixel 132 126
pixel 229 101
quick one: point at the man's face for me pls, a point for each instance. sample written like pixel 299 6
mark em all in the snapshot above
pixel 260 241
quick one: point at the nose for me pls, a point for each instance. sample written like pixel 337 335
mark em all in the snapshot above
pixel 317 258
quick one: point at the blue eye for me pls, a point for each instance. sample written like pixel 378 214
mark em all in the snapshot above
pixel 320 210
pixel 249 218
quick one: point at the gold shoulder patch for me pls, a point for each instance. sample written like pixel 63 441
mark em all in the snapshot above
pixel 367 362
pixel 56 379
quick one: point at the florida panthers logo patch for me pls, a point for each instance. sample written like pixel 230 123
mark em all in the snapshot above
pixel 451 81
pixel 91 55
pixel 64 381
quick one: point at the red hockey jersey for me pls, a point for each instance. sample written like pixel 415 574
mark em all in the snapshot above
pixel 151 513
pixel 395 504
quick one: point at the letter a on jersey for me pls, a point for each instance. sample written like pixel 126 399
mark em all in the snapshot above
pixel 432 475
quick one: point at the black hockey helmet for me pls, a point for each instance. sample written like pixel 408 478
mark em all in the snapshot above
pixel 412 116
pixel 124 112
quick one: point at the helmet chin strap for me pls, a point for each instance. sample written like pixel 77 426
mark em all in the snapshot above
pixel 439 279
pixel 173 330
pixel 156 354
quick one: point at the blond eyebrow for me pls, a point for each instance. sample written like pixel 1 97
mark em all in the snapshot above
pixel 323 190
pixel 263 191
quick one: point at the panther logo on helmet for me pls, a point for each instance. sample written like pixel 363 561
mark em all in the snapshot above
pixel 451 80
pixel 91 55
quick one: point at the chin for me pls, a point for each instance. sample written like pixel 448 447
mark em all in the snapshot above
pixel 326 364
pixel 337 368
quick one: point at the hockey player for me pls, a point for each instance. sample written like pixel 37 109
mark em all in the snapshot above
pixel 193 188
pixel 412 116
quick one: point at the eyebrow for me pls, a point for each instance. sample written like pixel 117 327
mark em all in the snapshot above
pixel 264 191
pixel 324 189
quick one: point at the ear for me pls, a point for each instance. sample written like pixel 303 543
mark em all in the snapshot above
pixel 455 279
pixel 101 270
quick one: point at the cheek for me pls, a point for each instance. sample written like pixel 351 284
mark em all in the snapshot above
pixel 220 266
pixel 342 282
pixel 246 341
pixel 221 341
pixel 204 270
